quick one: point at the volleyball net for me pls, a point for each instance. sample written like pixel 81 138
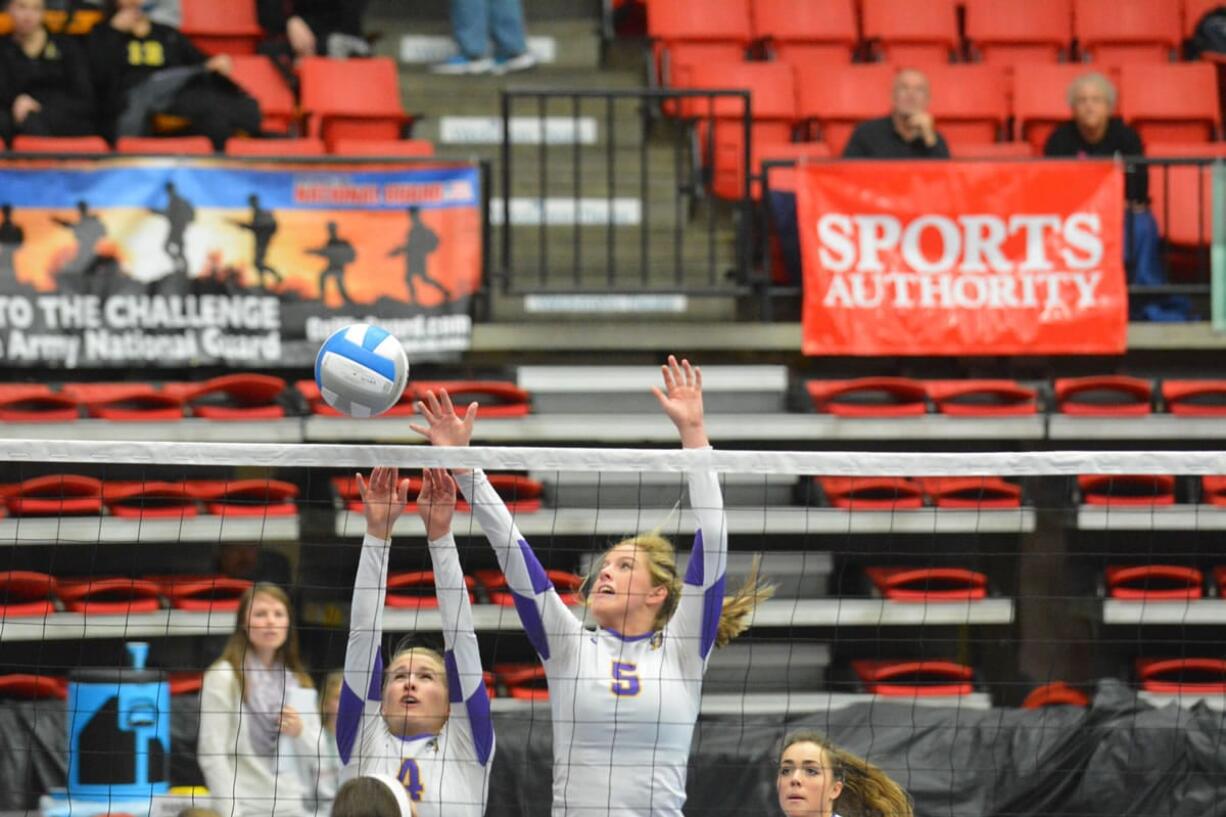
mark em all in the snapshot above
pixel 1002 633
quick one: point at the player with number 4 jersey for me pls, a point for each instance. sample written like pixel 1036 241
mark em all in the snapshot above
pixel 425 722
pixel 624 696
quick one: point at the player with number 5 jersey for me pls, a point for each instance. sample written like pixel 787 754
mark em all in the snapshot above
pixel 625 696
pixel 426 721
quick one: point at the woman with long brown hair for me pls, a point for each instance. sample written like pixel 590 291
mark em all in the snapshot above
pixel 259 719
pixel 818 779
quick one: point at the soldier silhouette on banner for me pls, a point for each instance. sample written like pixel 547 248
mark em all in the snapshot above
pixel 180 213
pixel 88 230
pixel 419 243
pixel 339 253
pixel 263 226
pixel 11 239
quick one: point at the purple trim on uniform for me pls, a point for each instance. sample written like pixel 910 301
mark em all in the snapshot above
pixel 375 693
pixel 534 628
pixel 712 607
pixel 536 573
pixel 348 721
pixel 628 638
pixel 693 571
pixel 482 725
pixel 455 693
pixel 418 736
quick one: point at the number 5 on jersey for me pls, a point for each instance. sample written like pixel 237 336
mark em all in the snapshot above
pixel 625 679
pixel 410 778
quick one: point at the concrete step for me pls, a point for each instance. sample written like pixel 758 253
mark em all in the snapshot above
pixel 557 43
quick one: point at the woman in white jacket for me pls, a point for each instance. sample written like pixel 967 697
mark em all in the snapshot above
pixel 259 716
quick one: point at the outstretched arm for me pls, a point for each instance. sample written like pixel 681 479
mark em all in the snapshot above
pixel 383 499
pixel 702 594
pixel 545 617
pixel 470 703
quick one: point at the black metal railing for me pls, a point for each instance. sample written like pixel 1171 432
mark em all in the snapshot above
pixel 603 195
pixel 1183 253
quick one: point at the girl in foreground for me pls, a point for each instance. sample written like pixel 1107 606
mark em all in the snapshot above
pixel 625 697
pixel 426 721
pixel 816 778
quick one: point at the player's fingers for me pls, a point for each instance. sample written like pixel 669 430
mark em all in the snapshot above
pixel 433 403
pixel 361 486
pixel 470 414
pixel 669 382
pixel 687 372
pixel 402 492
pixel 445 399
pixel 698 378
pixel 422 430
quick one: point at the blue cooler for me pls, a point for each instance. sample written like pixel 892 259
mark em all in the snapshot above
pixel 119 731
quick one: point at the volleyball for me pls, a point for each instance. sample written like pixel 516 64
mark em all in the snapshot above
pixel 361 370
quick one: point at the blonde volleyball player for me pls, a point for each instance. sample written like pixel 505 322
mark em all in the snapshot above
pixel 426 719
pixel 624 697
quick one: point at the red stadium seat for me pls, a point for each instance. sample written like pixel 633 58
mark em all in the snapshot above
pixel 309 390
pixel 981 398
pixel 1154 582
pixel 229 27
pixel 1219 579
pixel 26 593
pixel 1040 98
pixel 1213 490
pixel 1104 396
pixel 147 499
pixel 971 492
pixel 60 144
pixel 246 497
pixel 207 594
pixel 1005 32
pixel 970 102
pixel 813 31
pixel 1056 693
pixel 1171 103
pixel 414 590
pixel 33 687
pixel 165 145
pixel 524 682
pixel 837 99
pixel 494 398
pixel 1195 398
pixel 35 403
pixel 243 146
pixel 138 402
pixel 907 33
pixel 784 178
pixel 1181 676
pixel 257 75
pixel 101 596
pixel 520 493
pixel 693 33
pixel 1181 196
pixel 1193 11
pixel 55 495
pixel 495 584
pixel 186 683
pixel 1126 489
pixel 872 493
pixel 241 396
pixel 352 99
pixel 914 678
pixel 1118 33
pixel 390 148
pixel 868 397
pixel 996 151
pixel 924 584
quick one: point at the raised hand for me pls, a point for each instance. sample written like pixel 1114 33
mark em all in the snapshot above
pixel 383 500
pixel 681 400
pixel 445 427
pixel 436 502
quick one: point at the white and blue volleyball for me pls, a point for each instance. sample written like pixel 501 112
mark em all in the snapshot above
pixel 361 370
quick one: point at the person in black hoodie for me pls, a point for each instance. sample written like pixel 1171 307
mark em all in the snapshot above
pixel 47 88
pixel 132 58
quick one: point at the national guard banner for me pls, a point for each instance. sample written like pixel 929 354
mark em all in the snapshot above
pixel 169 263
pixel 962 258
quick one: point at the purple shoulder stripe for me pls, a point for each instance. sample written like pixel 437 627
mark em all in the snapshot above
pixel 694 570
pixel 712 608
pixel 348 722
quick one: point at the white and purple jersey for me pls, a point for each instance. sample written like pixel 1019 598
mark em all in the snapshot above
pixel 444 774
pixel 623 708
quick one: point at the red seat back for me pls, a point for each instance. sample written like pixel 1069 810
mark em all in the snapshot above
pixel 1154 582
pixel 868 397
pixel 995 151
pixel 256 75
pixel 1117 33
pixel 914 678
pixel 26 593
pixel 839 98
pixel 970 102
pixel 356 99
pixel 35 403
pixel 1195 398
pixel 1104 396
pixel 927 584
pixel 981 398
pixel 1180 676
pixel 165 145
pixel 1127 490
pixel 242 146
pixel 815 30
pixel 1004 32
pixel 1057 693
pixel 60 144
pixel 1181 196
pixel 971 492
pixel 912 34
pixel 229 27
pixel 1171 103
pixel 397 148
pixel 872 493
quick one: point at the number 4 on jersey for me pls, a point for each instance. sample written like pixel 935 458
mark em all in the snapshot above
pixel 625 679
pixel 410 778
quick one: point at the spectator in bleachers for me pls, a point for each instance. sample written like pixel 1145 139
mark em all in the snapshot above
pixel 46 75
pixel 306 28
pixel 1094 132
pixel 908 132
pixel 259 719
pixel 131 58
pixel 474 23
pixel 815 778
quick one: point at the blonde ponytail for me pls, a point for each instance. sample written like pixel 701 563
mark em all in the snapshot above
pixel 734 619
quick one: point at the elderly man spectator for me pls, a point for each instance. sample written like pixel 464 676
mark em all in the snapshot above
pixel 908 132
pixel 1094 132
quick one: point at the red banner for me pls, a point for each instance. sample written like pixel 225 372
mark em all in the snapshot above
pixel 962 258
